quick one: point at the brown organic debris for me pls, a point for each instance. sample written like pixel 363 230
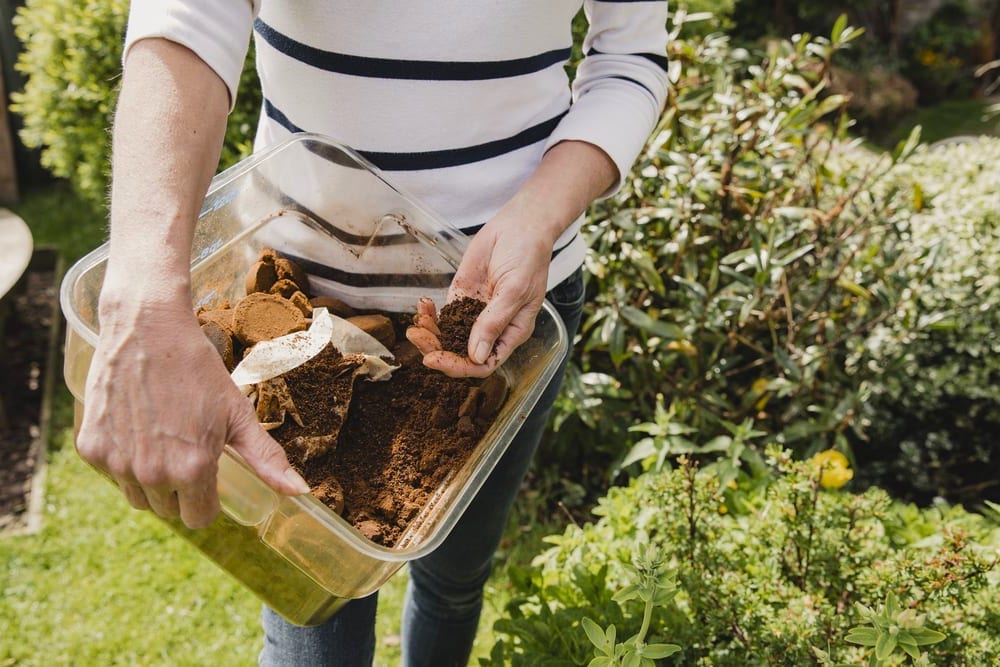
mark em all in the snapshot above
pixel 261 317
pixel 374 452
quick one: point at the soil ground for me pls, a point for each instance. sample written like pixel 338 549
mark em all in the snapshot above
pixel 26 325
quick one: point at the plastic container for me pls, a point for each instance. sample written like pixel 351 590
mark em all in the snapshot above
pixel 321 203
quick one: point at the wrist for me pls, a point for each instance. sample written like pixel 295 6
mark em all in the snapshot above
pixel 126 293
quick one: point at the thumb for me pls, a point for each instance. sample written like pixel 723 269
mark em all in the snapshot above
pixel 264 455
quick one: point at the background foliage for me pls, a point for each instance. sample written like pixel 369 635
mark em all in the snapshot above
pixel 740 267
pixel 72 61
pixel 932 404
pixel 767 571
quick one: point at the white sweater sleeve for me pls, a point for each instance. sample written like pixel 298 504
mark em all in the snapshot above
pixel 218 31
pixel 621 84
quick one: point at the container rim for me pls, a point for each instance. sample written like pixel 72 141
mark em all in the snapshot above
pixel 451 250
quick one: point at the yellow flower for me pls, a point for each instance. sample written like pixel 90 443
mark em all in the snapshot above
pixel 684 346
pixel 834 471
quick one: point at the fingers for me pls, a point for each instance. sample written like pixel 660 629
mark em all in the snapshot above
pixel 505 323
pixel 423 340
pixel 427 322
pixel 425 306
pixel 264 454
pixel 199 504
pixel 163 501
pixel 457 366
pixel 134 495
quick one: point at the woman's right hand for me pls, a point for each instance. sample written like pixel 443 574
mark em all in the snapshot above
pixel 160 407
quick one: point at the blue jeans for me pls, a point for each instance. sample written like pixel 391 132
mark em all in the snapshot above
pixel 444 596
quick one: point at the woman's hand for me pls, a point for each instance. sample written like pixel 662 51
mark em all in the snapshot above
pixel 161 407
pixel 507 266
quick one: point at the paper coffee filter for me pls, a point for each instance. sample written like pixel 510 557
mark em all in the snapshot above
pixel 271 358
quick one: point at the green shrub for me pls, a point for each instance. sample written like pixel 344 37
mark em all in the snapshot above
pixel 933 398
pixel 72 62
pixel 767 571
pixel 744 262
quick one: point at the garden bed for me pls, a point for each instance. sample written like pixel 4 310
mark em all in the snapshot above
pixel 29 322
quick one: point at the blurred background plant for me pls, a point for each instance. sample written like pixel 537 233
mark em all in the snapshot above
pixel 71 60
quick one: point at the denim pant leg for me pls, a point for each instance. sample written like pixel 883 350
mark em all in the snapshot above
pixel 347 639
pixel 444 596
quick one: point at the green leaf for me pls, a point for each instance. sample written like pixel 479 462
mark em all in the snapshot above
pixel 926 636
pixel 601 662
pixel 906 148
pixel 640 450
pixel 657 651
pixel 831 103
pixel 695 287
pixel 595 635
pixel 632 659
pixel 910 649
pixel 838 28
pixel 787 259
pixel 862 635
pixel 885 645
pixel 666 330
pixel 647 269
pixel 737 256
pixel 630 592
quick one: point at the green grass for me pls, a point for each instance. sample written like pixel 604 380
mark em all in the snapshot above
pixel 947 119
pixel 102 584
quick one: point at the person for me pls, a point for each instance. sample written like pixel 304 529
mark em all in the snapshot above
pixel 466 105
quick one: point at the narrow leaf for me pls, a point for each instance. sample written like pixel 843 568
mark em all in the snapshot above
pixel 657 651
pixel 594 634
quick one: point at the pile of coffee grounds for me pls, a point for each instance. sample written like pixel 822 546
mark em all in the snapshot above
pixel 455 322
pixel 386 446
pixel 402 438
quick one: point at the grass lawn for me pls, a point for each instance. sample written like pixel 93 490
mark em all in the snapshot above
pixel 947 119
pixel 102 584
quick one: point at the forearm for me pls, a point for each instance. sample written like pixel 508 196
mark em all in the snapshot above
pixel 570 176
pixel 169 125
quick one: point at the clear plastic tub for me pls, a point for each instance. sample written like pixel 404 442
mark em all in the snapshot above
pixel 319 202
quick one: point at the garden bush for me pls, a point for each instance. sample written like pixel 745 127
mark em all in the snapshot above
pixel 771 569
pixel 932 403
pixel 72 62
pixel 750 254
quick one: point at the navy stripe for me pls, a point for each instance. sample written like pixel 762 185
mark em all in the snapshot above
pixel 660 61
pixel 421 280
pixel 471 231
pixel 441 159
pixel 638 83
pixel 386 68
pixel 275 114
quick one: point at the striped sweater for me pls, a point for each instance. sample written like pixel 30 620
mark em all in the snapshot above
pixel 455 100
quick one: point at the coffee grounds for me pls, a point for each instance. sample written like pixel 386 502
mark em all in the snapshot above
pixel 262 316
pixel 402 438
pixel 455 323
pixel 373 452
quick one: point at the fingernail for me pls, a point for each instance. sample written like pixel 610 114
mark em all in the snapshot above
pixel 295 479
pixel 482 351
